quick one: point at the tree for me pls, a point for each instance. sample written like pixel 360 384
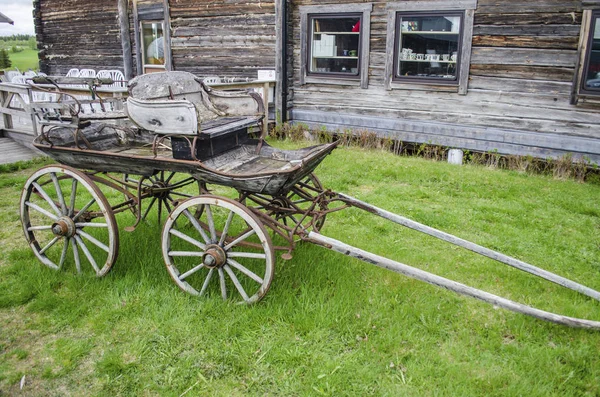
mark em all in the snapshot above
pixel 5 62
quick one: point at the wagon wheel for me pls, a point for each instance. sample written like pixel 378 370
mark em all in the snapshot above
pixel 289 208
pixel 62 210
pixel 302 195
pixel 166 188
pixel 226 250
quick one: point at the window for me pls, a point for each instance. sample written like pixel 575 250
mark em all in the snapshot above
pixel 153 46
pixel 429 43
pixel 591 71
pixel 428 47
pixel 334 45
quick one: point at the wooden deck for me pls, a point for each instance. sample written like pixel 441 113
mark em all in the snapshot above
pixel 11 152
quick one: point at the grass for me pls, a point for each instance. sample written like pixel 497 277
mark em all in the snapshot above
pixel 24 60
pixel 330 325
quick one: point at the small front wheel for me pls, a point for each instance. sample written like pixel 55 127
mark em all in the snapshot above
pixel 224 250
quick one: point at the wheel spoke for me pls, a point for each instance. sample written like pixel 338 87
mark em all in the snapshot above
pixel 245 270
pixel 222 283
pixel 43 193
pixel 76 255
pixel 90 224
pixel 236 283
pixel 169 178
pixel 160 205
pixel 149 207
pixel 41 210
pixel 181 194
pixel 194 222
pixel 211 224
pixel 185 253
pixel 44 227
pixel 187 238
pixel 50 244
pixel 87 253
pixel 191 271
pixel 226 228
pixel 239 239
pixel 93 240
pixel 59 193
pixel 85 208
pixel 73 196
pixel 250 255
pixel 63 255
pixel 206 282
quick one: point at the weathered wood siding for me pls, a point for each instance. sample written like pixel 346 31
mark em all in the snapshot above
pixel 522 67
pixel 78 33
pixel 222 37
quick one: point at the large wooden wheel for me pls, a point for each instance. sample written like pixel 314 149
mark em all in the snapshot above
pixel 224 249
pixel 62 210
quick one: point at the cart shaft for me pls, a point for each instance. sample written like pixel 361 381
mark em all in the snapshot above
pixel 451 285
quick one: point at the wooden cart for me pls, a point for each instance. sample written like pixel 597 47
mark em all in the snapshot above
pixel 189 141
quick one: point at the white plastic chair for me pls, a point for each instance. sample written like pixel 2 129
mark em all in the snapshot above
pixel 8 76
pixel 73 72
pixel 87 73
pixel 30 73
pixel 116 75
pixel 211 80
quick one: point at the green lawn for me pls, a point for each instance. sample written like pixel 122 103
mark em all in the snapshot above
pixel 24 60
pixel 329 325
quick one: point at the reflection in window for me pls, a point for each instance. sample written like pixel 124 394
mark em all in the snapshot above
pixel 154 44
pixel 334 45
pixel 592 69
pixel 428 46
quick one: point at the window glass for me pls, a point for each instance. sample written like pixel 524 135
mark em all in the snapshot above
pixel 334 46
pixel 154 43
pixel 592 70
pixel 428 46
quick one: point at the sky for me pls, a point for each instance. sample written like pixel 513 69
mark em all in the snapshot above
pixel 19 11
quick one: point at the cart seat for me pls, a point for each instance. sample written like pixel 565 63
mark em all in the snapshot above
pixel 179 103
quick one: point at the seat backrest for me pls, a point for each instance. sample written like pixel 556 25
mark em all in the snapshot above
pixel 73 72
pixel 176 88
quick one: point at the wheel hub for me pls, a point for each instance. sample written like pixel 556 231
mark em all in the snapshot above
pixel 161 189
pixel 64 227
pixel 214 257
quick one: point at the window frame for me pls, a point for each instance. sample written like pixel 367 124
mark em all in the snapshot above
pixel 307 14
pixel 466 7
pixel 398 38
pixel 153 66
pixel 594 14
pixel 309 57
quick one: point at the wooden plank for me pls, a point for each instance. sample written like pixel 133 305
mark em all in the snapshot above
pixel 465 53
pixel 122 8
pixel 474 138
pixel 521 56
pixel 433 5
pixel 11 152
pixel 538 18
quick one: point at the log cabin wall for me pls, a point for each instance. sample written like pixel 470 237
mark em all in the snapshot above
pixel 223 38
pixel 77 34
pixel 523 63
